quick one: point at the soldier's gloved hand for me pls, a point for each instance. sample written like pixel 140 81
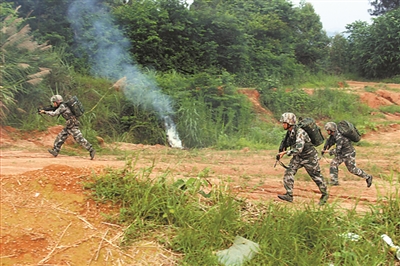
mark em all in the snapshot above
pixel 322 153
pixel 278 157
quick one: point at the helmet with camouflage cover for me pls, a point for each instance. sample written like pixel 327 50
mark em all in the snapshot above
pixel 330 126
pixel 56 98
pixel 289 118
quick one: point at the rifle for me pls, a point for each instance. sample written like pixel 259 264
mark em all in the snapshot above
pixel 48 108
pixel 328 144
pixel 282 148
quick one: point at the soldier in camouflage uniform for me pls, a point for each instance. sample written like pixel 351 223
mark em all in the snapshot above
pixel 304 155
pixel 71 128
pixel 344 153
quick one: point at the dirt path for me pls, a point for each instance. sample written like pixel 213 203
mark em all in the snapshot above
pixel 47 219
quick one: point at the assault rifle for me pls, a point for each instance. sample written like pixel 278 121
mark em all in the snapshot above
pixel 328 144
pixel 282 148
pixel 48 108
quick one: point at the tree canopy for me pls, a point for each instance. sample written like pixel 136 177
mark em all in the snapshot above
pixel 381 7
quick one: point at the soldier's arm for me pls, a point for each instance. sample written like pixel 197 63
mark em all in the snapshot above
pixel 56 112
pixel 301 136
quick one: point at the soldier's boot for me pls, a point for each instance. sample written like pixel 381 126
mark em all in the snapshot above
pixel 53 152
pixel 288 197
pixel 92 153
pixel 333 183
pixel 369 180
pixel 324 196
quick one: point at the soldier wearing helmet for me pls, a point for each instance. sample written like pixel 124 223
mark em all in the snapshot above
pixel 298 144
pixel 71 128
pixel 344 153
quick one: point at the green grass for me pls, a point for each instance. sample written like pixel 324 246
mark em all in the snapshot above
pixel 189 218
pixel 391 109
pixel 322 80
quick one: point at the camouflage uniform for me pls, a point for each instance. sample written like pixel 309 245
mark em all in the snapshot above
pixel 304 155
pixel 71 128
pixel 344 152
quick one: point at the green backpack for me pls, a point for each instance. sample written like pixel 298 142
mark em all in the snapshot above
pixel 348 130
pixel 312 129
pixel 76 106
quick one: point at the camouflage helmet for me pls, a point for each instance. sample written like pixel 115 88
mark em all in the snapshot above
pixel 330 126
pixel 56 98
pixel 289 118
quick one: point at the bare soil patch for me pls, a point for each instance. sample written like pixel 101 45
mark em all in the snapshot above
pixel 48 219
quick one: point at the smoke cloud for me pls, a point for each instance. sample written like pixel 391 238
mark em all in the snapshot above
pixel 99 37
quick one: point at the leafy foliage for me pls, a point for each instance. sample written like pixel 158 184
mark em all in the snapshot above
pixel 381 7
pixel 27 68
pixel 375 48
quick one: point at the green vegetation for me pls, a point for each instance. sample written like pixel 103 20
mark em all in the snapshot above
pixel 198 58
pixel 195 220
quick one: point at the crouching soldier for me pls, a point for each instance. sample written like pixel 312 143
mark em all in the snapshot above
pixel 71 127
pixel 344 152
pixel 298 144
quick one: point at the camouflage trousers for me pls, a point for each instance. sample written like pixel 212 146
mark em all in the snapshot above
pixel 350 161
pixel 312 167
pixel 78 137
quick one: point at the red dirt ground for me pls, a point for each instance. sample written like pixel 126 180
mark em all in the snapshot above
pixel 47 218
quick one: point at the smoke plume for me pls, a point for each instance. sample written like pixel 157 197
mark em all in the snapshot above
pixel 103 42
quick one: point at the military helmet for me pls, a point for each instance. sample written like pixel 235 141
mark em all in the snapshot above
pixel 289 118
pixel 56 98
pixel 331 126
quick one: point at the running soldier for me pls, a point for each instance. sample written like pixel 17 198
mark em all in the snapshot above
pixel 71 128
pixel 344 152
pixel 304 155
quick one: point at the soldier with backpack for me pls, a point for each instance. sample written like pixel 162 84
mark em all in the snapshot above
pixel 344 153
pixel 71 128
pixel 297 143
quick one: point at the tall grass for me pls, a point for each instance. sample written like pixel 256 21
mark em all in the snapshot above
pixel 192 218
pixel 322 104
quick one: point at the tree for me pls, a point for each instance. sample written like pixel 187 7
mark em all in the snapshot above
pixel 339 55
pixel 381 7
pixel 374 48
pixel 311 41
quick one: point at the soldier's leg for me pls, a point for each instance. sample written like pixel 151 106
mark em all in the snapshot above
pixel 288 179
pixel 334 170
pixel 350 163
pixel 78 137
pixel 59 141
pixel 314 171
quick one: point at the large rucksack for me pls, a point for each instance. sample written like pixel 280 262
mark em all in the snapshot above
pixel 312 129
pixel 348 130
pixel 76 106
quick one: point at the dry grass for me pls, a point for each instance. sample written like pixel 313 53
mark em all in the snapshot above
pixel 35 81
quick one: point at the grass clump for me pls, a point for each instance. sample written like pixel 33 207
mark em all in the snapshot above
pixel 196 219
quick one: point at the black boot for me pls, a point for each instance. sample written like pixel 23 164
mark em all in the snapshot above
pixel 53 152
pixel 323 199
pixel 324 196
pixel 369 180
pixel 288 197
pixel 92 153
pixel 333 183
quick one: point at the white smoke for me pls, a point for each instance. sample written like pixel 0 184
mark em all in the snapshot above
pixel 172 134
pixel 107 49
